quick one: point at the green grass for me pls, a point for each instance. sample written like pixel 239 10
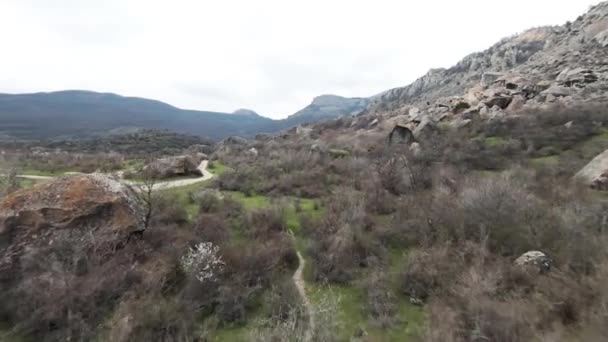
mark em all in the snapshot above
pixel 545 161
pixel 494 141
pixel 181 196
pixel 217 168
pixel 57 173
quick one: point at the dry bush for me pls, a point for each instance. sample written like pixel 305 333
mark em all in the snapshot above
pixel 344 242
pixel 210 227
pixel 167 211
pixel 264 223
pixel 381 302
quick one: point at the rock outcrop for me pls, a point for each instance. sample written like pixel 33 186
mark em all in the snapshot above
pixel 176 166
pixel 595 174
pixel 536 259
pixel 90 211
pixel 561 64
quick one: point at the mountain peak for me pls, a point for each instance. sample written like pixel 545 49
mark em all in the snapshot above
pixel 245 112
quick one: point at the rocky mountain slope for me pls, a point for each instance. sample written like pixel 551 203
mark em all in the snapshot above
pixel 561 64
pixel 326 107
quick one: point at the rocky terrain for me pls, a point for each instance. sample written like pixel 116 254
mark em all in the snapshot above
pixel 559 65
pixel 467 206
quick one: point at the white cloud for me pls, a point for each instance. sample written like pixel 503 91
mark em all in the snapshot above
pixel 272 56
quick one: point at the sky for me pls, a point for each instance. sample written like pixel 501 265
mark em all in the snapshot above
pixel 272 56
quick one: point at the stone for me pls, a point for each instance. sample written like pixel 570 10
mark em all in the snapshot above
pixel 536 259
pixel 484 112
pixel 401 134
pixel 602 38
pixel 70 209
pixel 558 91
pixel 595 173
pixel 569 124
pixel 253 152
pixel 517 103
pixel 460 123
pixel 175 166
pixel 488 78
pixel 425 126
pixel 499 101
pixel 415 149
pixel 578 76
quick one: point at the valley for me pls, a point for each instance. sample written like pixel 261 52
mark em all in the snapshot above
pixel 469 205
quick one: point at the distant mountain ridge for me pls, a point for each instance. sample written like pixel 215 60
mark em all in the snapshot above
pixel 78 114
pixel 329 107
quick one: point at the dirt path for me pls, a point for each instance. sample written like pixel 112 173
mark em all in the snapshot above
pixel 158 186
pixel 298 280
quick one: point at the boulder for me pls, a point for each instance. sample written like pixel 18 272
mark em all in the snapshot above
pixel 401 134
pixel 595 174
pixel 558 91
pixel 488 78
pixel 79 209
pixel 536 259
pixel 517 103
pixel 425 126
pixel 602 38
pixel 253 152
pixel 501 101
pixel 577 76
pixel 175 166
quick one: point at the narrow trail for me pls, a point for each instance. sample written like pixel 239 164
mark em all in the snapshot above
pixel 298 281
pixel 158 186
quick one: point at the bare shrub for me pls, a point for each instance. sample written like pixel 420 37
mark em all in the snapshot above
pixel 381 301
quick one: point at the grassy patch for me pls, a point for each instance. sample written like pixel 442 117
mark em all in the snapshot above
pixel 494 141
pixel 545 161
pixel 217 168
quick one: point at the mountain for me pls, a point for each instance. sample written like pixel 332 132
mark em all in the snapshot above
pixel 76 114
pixel 84 113
pixel 326 107
pixel 537 58
pixel 247 112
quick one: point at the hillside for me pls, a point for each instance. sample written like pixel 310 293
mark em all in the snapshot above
pixel 327 107
pixel 77 114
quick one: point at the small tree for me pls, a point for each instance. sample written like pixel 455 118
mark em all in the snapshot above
pixel 203 262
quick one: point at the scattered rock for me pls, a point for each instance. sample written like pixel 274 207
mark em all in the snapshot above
pixel 460 123
pixel 175 166
pixel 425 126
pixel 517 103
pixel 537 259
pixel 558 91
pixel 401 134
pixel 253 152
pixel 488 78
pixel 577 76
pixel 500 101
pixel 602 38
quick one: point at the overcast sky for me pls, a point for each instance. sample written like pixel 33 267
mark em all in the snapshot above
pixel 272 56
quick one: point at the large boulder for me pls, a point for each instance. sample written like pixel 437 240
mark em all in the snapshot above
pixel 595 174
pixel 175 166
pixel 85 210
pixel 535 259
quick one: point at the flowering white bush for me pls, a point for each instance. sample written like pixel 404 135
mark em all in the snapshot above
pixel 203 262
